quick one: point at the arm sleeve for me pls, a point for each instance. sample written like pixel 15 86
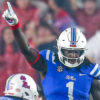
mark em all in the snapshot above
pixel 34 58
pixel 92 69
pixel 95 71
pixel 39 63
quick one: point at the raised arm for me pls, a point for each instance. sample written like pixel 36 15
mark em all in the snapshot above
pixel 32 55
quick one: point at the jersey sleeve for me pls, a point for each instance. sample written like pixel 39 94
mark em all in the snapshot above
pixel 43 58
pixel 48 55
pixel 93 70
pixel 43 53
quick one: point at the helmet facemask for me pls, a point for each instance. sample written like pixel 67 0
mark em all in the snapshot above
pixel 71 57
pixel 28 95
pixel 71 47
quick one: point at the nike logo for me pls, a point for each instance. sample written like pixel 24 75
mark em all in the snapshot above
pixel 82 74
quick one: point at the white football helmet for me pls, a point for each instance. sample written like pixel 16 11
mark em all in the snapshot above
pixel 22 86
pixel 71 47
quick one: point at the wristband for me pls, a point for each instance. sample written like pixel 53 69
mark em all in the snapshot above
pixel 36 60
pixel 15 26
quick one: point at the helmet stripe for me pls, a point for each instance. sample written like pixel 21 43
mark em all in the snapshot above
pixel 9 80
pixel 73 37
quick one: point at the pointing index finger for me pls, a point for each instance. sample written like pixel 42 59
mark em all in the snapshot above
pixel 10 7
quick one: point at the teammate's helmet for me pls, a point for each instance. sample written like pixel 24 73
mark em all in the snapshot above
pixel 71 47
pixel 22 86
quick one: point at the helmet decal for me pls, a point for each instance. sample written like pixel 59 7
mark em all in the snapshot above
pixel 25 85
pixel 21 85
pixel 73 37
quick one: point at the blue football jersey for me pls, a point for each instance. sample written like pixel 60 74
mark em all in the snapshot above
pixel 9 98
pixel 61 83
pixel 93 70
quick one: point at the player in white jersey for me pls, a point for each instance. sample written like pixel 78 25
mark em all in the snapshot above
pixel 20 87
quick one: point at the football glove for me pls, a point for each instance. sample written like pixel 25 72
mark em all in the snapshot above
pixel 9 15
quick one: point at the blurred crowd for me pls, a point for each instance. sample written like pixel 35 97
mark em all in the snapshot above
pixel 42 21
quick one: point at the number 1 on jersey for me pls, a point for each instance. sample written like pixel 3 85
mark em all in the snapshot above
pixel 70 86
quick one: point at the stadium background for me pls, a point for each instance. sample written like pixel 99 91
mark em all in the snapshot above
pixel 42 21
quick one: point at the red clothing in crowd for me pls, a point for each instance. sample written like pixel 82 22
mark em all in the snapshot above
pixel 63 20
pixel 24 15
pixel 90 23
pixel 61 14
pixel 32 44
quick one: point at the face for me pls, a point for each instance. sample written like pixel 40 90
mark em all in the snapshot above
pixel 52 4
pixel 72 55
pixel 30 30
pixel 43 32
pixel 23 4
pixel 8 36
pixel 89 7
pixel 44 35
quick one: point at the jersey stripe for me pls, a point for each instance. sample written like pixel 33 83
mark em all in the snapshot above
pixel 98 74
pixel 94 69
pixel 47 54
pixel 53 58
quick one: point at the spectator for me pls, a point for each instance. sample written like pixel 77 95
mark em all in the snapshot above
pixel 23 7
pixel 42 7
pixel 88 17
pixel 30 32
pixel 65 4
pixel 1 2
pixel 43 37
pixel 61 19
pixel 25 12
pixel 8 56
pixel 93 47
pixel 11 60
pixel 75 4
pixel 46 37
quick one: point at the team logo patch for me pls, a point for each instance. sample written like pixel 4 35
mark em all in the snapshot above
pixel 25 84
pixel 68 77
pixel 60 69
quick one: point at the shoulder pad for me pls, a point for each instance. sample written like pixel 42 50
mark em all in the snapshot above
pixel 48 55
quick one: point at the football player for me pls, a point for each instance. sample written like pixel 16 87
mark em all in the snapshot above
pixel 20 87
pixel 67 75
